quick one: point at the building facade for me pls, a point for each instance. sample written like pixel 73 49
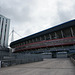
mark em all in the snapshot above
pixel 60 38
pixel 4 30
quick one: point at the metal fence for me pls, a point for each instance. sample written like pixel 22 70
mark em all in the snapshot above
pixel 15 59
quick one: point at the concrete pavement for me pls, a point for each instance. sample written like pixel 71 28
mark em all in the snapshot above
pixel 47 67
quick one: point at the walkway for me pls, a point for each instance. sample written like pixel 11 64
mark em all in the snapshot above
pixel 46 67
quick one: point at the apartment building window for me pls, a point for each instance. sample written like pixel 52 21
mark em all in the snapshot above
pixel 6 20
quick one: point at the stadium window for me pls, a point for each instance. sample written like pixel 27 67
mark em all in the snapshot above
pixel 38 39
pixel 26 42
pixel 19 44
pixel 59 35
pixel 67 32
pixel 23 43
pixel 73 30
pixel 47 37
pixel 53 35
pixel 42 38
pixel 34 39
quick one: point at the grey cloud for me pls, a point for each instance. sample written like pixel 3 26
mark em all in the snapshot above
pixel 38 14
pixel 65 14
pixel 17 10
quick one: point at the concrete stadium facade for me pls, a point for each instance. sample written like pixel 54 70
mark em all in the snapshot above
pixel 56 39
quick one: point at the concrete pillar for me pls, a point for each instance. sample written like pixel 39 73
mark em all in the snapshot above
pixel 44 37
pixel 62 34
pixel 72 31
pixel 50 36
pixel 55 35
pixel 40 39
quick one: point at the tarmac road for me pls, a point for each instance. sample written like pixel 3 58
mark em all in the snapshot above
pixel 47 67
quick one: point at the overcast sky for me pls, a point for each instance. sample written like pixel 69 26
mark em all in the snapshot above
pixel 31 16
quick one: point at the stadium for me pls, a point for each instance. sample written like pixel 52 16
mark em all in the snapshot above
pixel 60 38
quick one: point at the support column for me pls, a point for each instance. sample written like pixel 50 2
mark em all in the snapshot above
pixel 44 37
pixel 40 39
pixel 62 34
pixel 36 39
pixel 72 32
pixel 55 35
pixel 50 36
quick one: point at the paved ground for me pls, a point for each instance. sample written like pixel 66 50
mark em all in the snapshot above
pixel 46 67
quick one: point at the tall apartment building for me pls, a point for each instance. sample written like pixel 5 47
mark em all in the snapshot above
pixel 4 30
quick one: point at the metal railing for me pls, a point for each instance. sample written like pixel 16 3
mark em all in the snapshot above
pixel 47 43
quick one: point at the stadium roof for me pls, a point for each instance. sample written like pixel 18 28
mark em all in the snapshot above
pixel 49 30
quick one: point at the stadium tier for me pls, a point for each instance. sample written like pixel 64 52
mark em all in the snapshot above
pixel 56 39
